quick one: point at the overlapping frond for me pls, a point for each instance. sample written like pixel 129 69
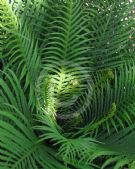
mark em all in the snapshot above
pixel 20 147
pixel 69 148
pixel 67 84
pixel 111 100
pixel 12 93
pixel 20 48
pixel 66 41
pixel 112 28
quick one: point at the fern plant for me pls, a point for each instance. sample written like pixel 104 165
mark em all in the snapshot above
pixel 67 84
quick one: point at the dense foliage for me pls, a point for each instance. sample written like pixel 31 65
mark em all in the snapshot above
pixel 67 84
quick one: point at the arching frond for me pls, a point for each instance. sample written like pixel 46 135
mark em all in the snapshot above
pixel 66 42
pixel 67 84
pixel 69 148
pixel 20 47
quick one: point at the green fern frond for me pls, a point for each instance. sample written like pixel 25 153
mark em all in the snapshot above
pixel 67 84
